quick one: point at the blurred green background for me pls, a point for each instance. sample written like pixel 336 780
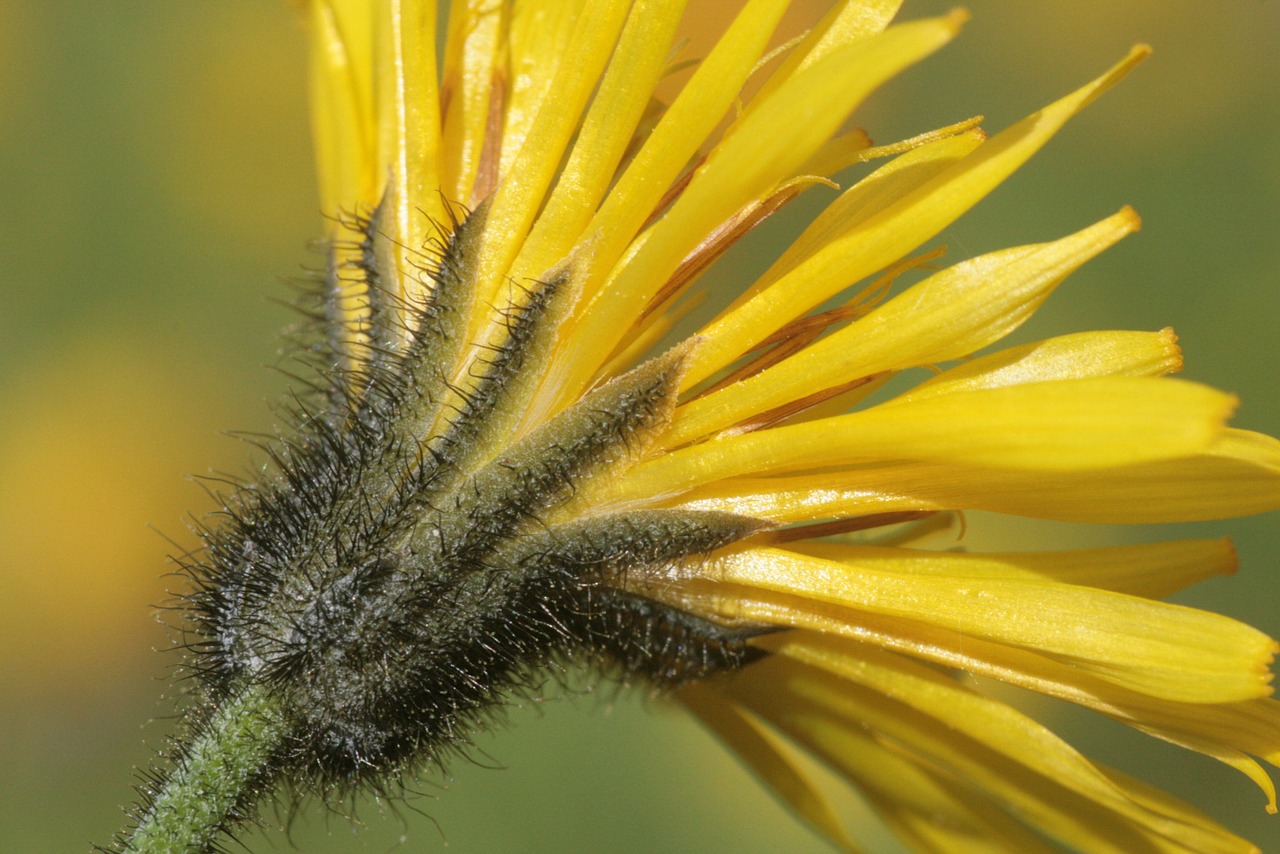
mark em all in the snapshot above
pixel 157 192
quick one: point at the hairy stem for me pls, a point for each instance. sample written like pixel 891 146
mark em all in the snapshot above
pixel 215 779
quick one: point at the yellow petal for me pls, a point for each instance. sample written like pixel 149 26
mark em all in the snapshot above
pixel 343 128
pixel 408 142
pixel 948 315
pixel 342 103
pixel 1152 570
pixel 1227 732
pixel 893 232
pixel 1151 647
pixel 1076 425
pixel 1159 801
pixel 638 62
pixel 925 809
pixel 473 84
pixel 818 685
pixel 920 804
pixel 542 34
pixel 696 111
pixel 763 151
pixel 689 120
pixel 527 178
pixel 897 178
pixel 1067 357
pixel 769 760
pixel 847 22
pixel 767 148
pixel 1238 476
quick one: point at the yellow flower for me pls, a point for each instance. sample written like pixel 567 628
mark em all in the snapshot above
pixel 718 484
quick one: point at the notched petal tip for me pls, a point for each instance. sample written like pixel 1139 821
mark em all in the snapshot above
pixel 1170 339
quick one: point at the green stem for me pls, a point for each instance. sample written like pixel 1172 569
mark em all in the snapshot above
pixel 222 768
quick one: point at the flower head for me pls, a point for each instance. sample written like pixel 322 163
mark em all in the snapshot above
pixel 515 460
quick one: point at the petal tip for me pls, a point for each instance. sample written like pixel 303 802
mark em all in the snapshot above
pixel 1229 406
pixel 957 18
pixel 1131 220
pixel 1170 339
pixel 1232 563
pixel 1132 59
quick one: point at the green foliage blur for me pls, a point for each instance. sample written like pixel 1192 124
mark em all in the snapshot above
pixel 157 197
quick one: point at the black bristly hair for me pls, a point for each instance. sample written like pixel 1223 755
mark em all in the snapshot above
pixel 401 570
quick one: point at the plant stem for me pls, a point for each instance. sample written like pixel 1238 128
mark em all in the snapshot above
pixel 221 769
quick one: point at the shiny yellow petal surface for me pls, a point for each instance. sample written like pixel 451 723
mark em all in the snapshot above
pixel 1068 357
pixel 408 142
pixel 949 315
pixel 1103 423
pixel 1153 570
pixel 846 22
pixel 896 230
pixel 1150 647
pixel 474 83
pixel 342 101
pixel 959 735
pixel 1238 475
pixel 763 150
pixel 531 169
pixel 1227 732
pixel 692 116
pixel 914 168
pixel 638 61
